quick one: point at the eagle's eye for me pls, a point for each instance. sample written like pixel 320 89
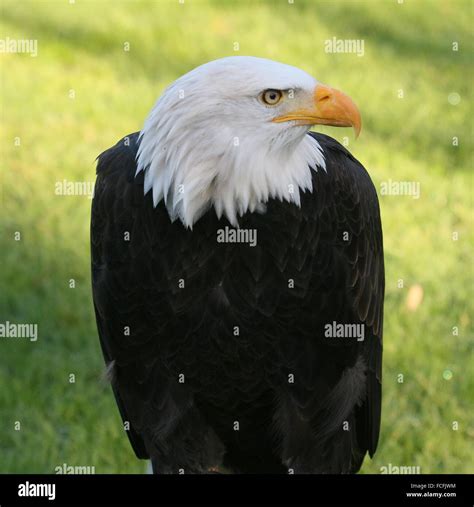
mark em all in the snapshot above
pixel 272 97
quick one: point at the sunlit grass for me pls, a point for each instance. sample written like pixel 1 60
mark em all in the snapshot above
pixel 83 92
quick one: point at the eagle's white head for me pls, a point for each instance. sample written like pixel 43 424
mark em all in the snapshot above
pixel 232 134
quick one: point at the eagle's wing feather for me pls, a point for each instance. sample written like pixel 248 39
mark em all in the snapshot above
pixel 358 212
pixel 338 380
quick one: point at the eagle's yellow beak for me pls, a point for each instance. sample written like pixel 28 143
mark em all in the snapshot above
pixel 330 107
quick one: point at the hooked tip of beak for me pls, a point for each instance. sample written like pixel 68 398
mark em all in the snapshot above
pixel 333 107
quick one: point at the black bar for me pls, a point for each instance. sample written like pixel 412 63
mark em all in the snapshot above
pixel 238 489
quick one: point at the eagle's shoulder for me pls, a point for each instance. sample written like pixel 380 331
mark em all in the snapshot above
pixel 119 157
pixel 341 163
pixel 328 143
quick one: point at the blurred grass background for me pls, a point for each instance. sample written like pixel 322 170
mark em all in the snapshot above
pixel 408 46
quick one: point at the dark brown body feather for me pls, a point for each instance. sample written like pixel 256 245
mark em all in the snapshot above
pixel 205 335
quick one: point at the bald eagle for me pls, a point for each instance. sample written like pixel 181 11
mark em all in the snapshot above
pixel 238 277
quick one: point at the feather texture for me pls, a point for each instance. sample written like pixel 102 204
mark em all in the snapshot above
pixel 205 335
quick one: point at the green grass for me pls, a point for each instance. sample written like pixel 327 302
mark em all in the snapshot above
pixel 80 46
